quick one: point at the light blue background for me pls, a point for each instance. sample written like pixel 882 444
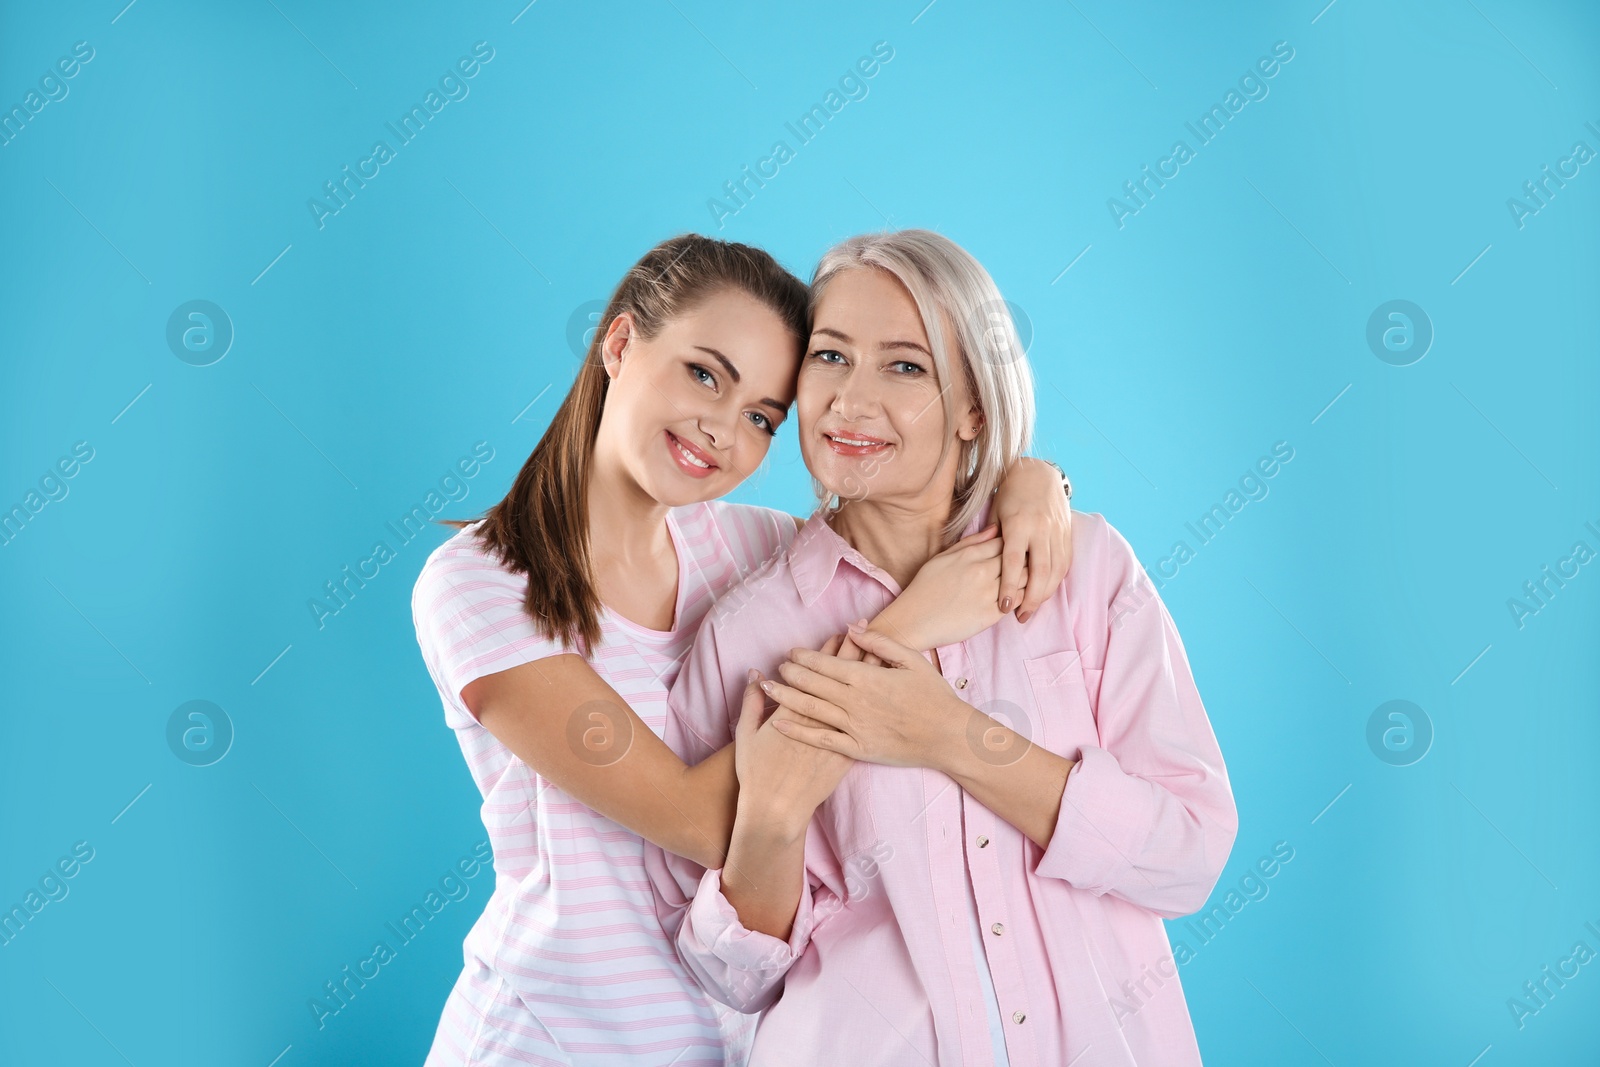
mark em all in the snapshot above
pixel 433 311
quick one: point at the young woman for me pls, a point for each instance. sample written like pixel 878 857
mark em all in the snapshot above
pixel 554 627
pixel 958 862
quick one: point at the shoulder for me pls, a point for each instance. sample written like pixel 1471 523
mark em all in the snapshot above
pixel 462 552
pixel 768 588
pixel 470 613
pixel 1103 561
pixel 463 567
pixel 751 534
pixel 751 517
pixel 1093 533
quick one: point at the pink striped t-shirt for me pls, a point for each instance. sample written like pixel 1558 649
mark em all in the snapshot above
pixel 569 963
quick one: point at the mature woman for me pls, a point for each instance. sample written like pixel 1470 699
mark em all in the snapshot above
pixel 959 861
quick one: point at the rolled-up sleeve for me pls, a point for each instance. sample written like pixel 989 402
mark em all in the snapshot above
pixel 740 967
pixel 1147 815
pixel 735 965
pixel 697 724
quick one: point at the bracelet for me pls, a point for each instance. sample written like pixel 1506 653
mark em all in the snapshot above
pixel 1065 481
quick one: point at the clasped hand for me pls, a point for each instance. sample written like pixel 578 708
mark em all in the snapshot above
pixel 866 696
pixel 899 711
pixel 781 780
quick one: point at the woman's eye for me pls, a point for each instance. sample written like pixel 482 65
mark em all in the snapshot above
pixel 905 366
pixel 828 355
pixel 763 422
pixel 701 375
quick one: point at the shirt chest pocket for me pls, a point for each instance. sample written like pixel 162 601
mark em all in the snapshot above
pixel 1065 695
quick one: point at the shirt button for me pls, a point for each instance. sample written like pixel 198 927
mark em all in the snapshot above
pixel 983 842
pixel 961 683
pixel 999 928
pixel 1018 1017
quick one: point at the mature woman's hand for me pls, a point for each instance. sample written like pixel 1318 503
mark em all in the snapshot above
pixel 1035 519
pixel 902 714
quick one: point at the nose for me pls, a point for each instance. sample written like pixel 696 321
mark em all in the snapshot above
pixel 853 397
pixel 715 428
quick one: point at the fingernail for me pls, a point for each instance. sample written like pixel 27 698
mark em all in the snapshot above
pixel 766 687
pixel 1005 605
pixel 1024 616
pixel 751 675
pixel 781 725
pixel 858 626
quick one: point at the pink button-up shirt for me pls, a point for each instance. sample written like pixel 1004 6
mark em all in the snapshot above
pixel 879 968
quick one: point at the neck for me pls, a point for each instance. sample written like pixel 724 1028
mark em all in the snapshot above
pixel 626 524
pixel 898 537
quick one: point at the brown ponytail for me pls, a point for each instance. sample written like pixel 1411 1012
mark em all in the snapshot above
pixel 541 528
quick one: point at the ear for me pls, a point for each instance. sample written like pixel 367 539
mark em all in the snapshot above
pixel 619 337
pixel 972 425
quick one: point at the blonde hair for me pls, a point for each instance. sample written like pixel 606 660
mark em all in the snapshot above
pixel 941 276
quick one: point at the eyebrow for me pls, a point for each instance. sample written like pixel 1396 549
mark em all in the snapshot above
pixel 847 339
pixel 733 372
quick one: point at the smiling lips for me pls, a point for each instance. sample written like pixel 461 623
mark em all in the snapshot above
pixel 691 460
pixel 855 444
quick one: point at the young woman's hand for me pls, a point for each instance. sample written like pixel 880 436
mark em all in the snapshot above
pixel 956 594
pixel 1035 519
pixel 902 714
pixel 781 780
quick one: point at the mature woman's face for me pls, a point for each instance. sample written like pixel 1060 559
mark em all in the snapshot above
pixel 872 423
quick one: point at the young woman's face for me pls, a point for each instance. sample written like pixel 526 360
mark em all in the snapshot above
pixel 872 422
pixel 694 409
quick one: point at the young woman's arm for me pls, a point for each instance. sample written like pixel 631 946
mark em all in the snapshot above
pixel 1033 508
pixel 739 927
pixel 765 869
pixel 561 719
